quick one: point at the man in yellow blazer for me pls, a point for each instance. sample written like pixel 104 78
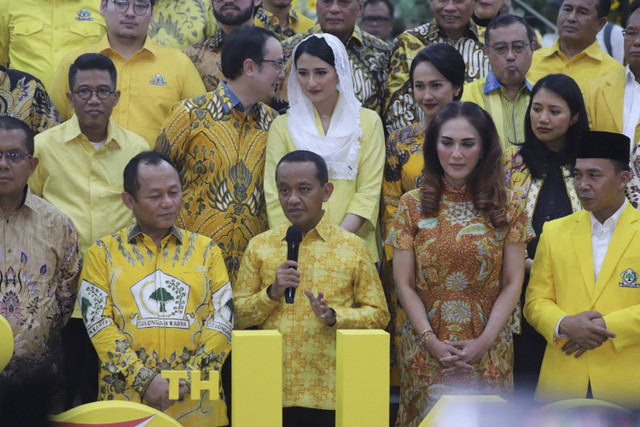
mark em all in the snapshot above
pixel 584 292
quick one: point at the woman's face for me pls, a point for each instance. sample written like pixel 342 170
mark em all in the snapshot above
pixel 459 149
pixel 432 90
pixel 487 8
pixel 550 119
pixel 317 79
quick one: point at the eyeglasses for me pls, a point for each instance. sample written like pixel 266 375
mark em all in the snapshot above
pixel 15 156
pixel 502 48
pixel 88 93
pixel 278 64
pixel 139 9
pixel 376 19
pixel 341 3
pixel 630 34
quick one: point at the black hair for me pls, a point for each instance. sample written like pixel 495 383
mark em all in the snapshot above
pixel 386 2
pixel 508 19
pixel 635 4
pixel 444 58
pixel 603 7
pixel 318 47
pixel 535 154
pixel 300 156
pixel 13 123
pixel 244 43
pixel 92 61
pixel 130 174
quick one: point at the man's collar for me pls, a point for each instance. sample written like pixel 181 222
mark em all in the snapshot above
pixel 492 83
pixel 230 100
pixel 612 220
pixel 322 228
pixel 470 30
pixel 593 50
pixel 356 34
pixel 135 230
pixel 217 39
pixel 72 131
pixel 629 77
pixel 104 45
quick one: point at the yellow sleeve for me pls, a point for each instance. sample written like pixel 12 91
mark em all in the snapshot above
pixel 472 92
pixel 60 86
pixel 4 34
pixel 35 180
pixel 278 144
pixel 193 85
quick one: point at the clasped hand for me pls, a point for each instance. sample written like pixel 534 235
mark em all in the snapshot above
pixel 586 331
pixel 157 394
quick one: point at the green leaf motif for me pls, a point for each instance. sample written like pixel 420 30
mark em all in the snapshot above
pixel 474 229
pixel 428 224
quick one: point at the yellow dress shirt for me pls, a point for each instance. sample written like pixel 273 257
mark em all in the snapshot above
pixel 36 34
pixel 333 261
pixel 360 196
pixel 83 182
pixel 150 83
pixel 178 23
pixel 148 308
pixel 591 63
pixel 297 23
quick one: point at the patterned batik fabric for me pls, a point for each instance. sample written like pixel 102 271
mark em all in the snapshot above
pixel 297 23
pixel 206 56
pixel 333 261
pixel 400 108
pixel 24 97
pixel 220 154
pixel 39 272
pixel 369 58
pixel 151 307
pixel 458 256
pixel 179 23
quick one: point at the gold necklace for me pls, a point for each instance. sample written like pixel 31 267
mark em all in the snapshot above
pixel 325 117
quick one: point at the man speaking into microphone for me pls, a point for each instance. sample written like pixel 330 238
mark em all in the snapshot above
pixel 334 271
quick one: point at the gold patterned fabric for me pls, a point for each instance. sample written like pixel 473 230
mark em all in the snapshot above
pixel 179 23
pixel 39 272
pixel 206 56
pixel 220 154
pixel 333 261
pixel 297 23
pixel 151 307
pixel 400 109
pixel 369 58
pixel 24 97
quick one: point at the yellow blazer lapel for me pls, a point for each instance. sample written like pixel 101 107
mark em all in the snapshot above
pixel 581 237
pixel 613 95
pixel 623 235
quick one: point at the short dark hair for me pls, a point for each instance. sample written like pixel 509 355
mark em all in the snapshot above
pixel 620 166
pixel 318 47
pixel 92 61
pixel 603 7
pixel 243 43
pixel 301 156
pixel 130 174
pixel 508 19
pixel 444 58
pixel 386 2
pixel 13 123
pixel 635 4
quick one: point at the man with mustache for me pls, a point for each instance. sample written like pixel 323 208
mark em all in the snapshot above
pixel 206 54
pixel 584 291
pixel 93 149
pixel 576 52
pixel 505 92
pixel 152 77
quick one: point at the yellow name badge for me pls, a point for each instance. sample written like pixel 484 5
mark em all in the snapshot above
pixel 198 386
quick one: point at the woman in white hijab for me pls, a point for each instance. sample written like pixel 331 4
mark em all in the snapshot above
pixel 326 118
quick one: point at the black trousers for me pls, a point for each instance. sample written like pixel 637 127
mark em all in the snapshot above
pixel 80 367
pixel 308 417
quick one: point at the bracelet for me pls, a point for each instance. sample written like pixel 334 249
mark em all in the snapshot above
pixel 424 336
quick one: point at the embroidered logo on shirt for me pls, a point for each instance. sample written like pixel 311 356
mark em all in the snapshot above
pixel 629 279
pixel 92 302
pixel 162 302
pixel 158 80
pixel 84 15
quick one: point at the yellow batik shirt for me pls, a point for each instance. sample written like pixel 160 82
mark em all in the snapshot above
pixel 36 34
pixel 206 56
pixel 369 59
pixel 296 24
pixel 333 261
pixel 400 108
pixel 178 23
pixel 152 81
pixel 220 154
pixel 149 308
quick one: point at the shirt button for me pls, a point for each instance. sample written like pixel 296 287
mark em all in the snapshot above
pixel 547 217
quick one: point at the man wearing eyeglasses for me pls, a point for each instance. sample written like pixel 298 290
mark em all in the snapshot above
pixel 377 19
pixel 152 77
pixel 505 92
pixel 93 149
pixel 576 52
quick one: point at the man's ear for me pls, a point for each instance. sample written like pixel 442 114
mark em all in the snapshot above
pixel 250 67
pixel 127 199
pixel 327 189
pixel 70 98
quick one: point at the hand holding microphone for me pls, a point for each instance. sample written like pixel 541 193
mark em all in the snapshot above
pixel 287 275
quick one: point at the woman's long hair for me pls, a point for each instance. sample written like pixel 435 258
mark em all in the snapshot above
pixel 486 183
pixel 535 153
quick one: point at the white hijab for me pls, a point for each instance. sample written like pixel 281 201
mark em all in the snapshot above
pixel 339 148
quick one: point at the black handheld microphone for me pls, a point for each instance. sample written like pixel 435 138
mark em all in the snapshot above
pixel 294 237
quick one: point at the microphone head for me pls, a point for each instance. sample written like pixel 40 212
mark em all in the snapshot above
pixel 294 234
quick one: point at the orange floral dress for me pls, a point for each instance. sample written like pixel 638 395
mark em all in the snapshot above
pixel 458 257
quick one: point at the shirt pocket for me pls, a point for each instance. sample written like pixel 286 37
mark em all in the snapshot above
pixel 86 28
pixel 27 28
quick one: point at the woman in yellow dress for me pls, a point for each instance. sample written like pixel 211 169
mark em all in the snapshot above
pixel 326 118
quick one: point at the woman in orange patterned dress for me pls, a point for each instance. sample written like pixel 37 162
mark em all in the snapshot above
pixel 458 263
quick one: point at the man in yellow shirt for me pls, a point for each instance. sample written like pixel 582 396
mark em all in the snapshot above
pixel 576 52
pixel 336 287
pixel 80 173
pixel 155 297
pixel 36 34
pixel 281 18
pixel 152 77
